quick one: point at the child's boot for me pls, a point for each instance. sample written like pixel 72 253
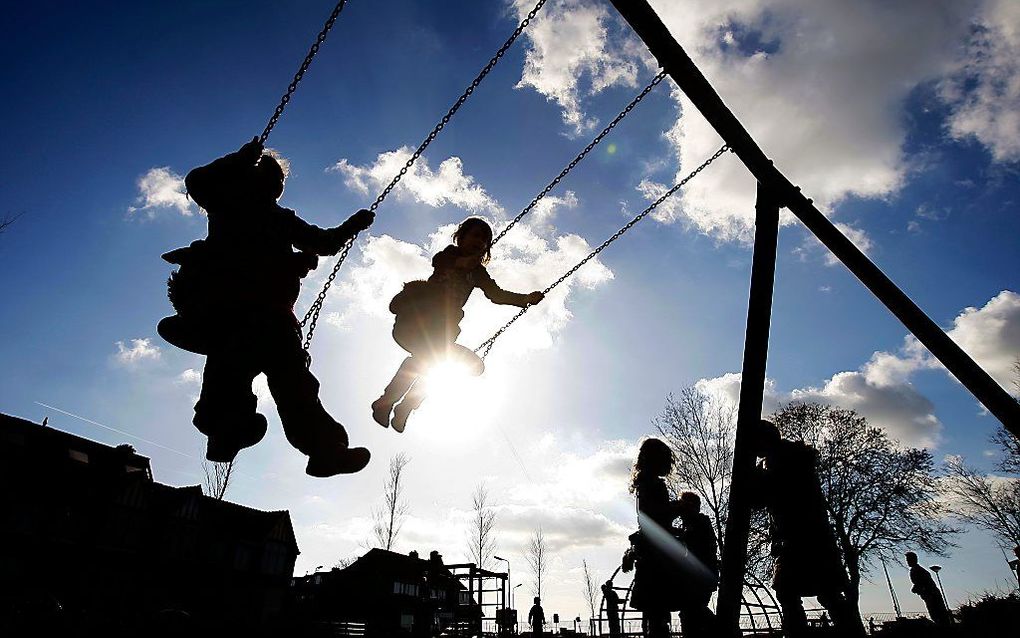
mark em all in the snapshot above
pixel 223 446
pixel 381 409
pixel 411 402
pixel 184 334
pixel 337 460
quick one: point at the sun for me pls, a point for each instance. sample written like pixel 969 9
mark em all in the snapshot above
pixel 458 403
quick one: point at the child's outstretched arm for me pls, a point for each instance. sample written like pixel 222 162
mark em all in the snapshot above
pixel 209 185
pixel 327 241
pixel 497 295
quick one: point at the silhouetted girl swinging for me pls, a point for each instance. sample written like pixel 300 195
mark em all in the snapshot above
pixel 428 315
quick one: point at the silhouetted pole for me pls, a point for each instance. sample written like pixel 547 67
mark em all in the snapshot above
pixel 676 62
pixel 752 389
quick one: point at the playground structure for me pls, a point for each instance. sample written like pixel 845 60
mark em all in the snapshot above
pixel 760 615
pixel 775 191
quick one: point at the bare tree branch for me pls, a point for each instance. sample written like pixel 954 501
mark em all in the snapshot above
pixel 217 478
pixel 482 536
pixel 991 503
pixel 535 554
pixel 591 589
pixel 390 518
pixel 700 429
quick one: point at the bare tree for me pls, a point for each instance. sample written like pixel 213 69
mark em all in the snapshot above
pixel 217 478
pixel 390 518
pixel 591 589
pixel 989 502
pixel 701 429
pixel 345 561
pixel 482 535
pixel 881 499
pixel 536 555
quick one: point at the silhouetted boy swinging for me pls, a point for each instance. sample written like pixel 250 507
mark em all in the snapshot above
pixel 235 294
pixel 428 315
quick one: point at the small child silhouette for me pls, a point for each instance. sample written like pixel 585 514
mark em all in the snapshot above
pixel 235 294
pixel 428 315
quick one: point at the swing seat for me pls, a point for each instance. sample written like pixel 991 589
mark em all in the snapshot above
pixel 184 334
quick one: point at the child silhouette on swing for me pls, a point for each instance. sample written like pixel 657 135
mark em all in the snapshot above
pixel 428 315
pixel 235 294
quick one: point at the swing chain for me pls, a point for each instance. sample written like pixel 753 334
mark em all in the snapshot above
pixel 580 156
pixel 312 316
pixel 301 72
pixel 488 343
pixel 456 106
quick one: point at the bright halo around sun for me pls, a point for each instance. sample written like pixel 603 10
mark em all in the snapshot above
pixel 458 403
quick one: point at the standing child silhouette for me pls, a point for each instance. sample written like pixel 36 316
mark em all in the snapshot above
pixel 428 315
pixel 235 295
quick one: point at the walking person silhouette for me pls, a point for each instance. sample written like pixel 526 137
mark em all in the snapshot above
pixel 235 294
pixel 924 586
pixel 536 618
pixel 428 315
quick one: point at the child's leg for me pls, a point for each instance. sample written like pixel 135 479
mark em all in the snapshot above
pixel 307 425
pixel 225 411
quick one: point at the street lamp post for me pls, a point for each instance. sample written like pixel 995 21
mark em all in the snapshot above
pixel 512 593
pixel 937 569
pixel 507 577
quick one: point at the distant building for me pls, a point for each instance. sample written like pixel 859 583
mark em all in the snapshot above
pixel 87 532
pixel 387 594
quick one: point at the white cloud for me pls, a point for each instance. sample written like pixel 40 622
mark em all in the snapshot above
pixel 446 185
pixel 528 258
pixel 190 376
pixel 821 86
pixel 991 335
pixel 161 188
pixel 984 90
pixel 568 58
pixel 139 351
pixel 881 390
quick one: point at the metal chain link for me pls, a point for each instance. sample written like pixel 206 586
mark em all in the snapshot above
pixel 488 343
pixel 312 316
pixel 301 72
pixel 580 156
pixel 456 106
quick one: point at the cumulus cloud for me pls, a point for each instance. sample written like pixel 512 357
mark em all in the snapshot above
pixel 446 185
pixel 140 350
pixel 528 258
pixel 881 389
pixel 983 90
pixel 991 335
pixel 822 86
pixel 568 56
pixel 811 246
pixel 189 377
pixel 159 189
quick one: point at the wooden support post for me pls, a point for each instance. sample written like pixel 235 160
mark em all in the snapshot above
pixel 675 61
pixel 752 389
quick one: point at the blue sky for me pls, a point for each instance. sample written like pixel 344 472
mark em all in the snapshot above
pixel 910 144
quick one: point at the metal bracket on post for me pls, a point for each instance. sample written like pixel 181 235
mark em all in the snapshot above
pixel 752 389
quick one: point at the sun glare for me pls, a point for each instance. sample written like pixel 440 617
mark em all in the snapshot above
pixel 457 404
